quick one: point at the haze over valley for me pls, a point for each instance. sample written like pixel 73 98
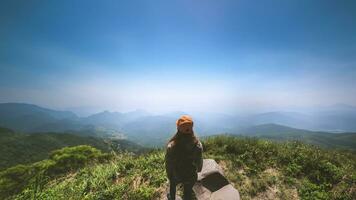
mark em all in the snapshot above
pixel 150 129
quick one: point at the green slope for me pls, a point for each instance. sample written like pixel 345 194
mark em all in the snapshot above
pixel 284 133
pixel 17 148
pixel 259 169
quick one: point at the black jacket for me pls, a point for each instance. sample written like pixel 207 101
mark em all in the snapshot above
pixel 183 161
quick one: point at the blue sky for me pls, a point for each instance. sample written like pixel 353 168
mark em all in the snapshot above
pixel 196 55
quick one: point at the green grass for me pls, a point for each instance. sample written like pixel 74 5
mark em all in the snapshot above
pixel 280 169
pixel 257 168
pixel 124 177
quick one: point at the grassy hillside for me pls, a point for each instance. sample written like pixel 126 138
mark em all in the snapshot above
pixel 290 170
pixel 259 169
pixel 284 133
pixel 17 148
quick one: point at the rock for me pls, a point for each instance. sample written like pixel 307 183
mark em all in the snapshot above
pixel 212 185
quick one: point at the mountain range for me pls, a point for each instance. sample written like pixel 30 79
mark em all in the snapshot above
pixel 150 129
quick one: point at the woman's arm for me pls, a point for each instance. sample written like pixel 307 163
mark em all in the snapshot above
pixel 199 156
pixel 169 161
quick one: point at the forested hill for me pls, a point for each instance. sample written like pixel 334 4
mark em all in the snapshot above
pixel 19 148
pixel 283 133
pixel 259 169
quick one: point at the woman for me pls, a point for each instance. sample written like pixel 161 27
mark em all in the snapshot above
pixel 183 158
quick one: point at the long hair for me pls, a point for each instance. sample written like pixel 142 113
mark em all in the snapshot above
pixel 178 136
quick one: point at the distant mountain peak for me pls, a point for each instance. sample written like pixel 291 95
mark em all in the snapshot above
pixel 342 106
pixel 139 111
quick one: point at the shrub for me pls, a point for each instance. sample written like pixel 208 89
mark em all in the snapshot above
pixel 15 179
pixel 311 191
pixel 72 158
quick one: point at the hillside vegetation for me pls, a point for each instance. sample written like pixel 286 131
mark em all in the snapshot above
pixel 18 148
pixel 284 133
pixel 259 169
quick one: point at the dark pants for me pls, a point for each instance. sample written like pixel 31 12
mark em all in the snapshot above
pixel 187 190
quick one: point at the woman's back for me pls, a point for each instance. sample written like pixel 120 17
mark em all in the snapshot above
pixel 185 159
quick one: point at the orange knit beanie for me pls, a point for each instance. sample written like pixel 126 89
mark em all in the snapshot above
pixel 184 119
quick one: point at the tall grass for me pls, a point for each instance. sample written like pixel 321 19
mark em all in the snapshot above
pixel 259 169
